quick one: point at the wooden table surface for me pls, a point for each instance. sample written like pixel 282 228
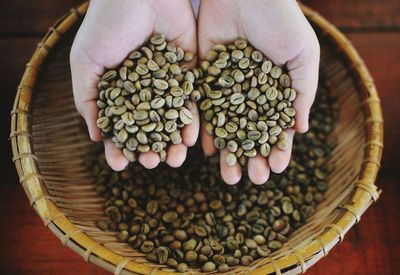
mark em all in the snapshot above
pixel 371 247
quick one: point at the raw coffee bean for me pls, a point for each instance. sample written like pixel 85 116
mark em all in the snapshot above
pixel 160 84
pixel 276 72
pixel 169 217
pixel 177 91
pixel 274 245
pixel 248 144
pixel 231 159
pixel 244 63
pixel 162 254
pixel 220 63
pixel 283 145
pixel 289 94
pixel 109 75
pixel 265 150
pixel 284 80
pixel 231 127
pixel 238 76
pixel 171 114
pixel 141 69
pixel 152 207
pixel 226 81
pixel 180 234
pixel 241 44
pixel 208 267
pixel 142 137
pixel 253 135
pixel 231 261
pixel 250 153
pixel 103 122
pixel 143 148
pixel 113 213
pixel 172 263
pixel 219 143
pixel 176 137
pixel 140 115
pixel 275 131
pixel 149 127
pixel 118 110
pixel 246 260
pixel 157 39
pixel 102 225
pixel 190 256
pixel 182 267
pixel 237 54
pixel 263 252
pixel 266 66
pixel 175 69
pixel 157 147
pixel 221 132
pixel 189 245
pixel 210 219
pixel 291 112
pixel 147 247
pixel 237 98
pixel 186 116
pixel 232 146
pixel 221 118
pixel 271 93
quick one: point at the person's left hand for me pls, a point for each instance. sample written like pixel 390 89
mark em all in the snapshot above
pixel 279 30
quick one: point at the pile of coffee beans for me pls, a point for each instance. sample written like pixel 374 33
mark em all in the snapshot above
pixel 146 101
pixel 247 101
pixel 189 218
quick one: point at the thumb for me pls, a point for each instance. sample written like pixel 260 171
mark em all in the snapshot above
pixel 84 85
pixel 303 71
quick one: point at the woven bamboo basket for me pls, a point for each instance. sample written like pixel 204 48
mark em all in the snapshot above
pixel 49 145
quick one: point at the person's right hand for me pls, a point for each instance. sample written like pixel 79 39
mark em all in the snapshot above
pixel 109 32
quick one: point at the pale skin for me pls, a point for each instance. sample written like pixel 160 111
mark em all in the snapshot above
pixel 112 29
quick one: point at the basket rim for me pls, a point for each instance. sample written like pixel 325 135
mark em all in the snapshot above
pixel 364 193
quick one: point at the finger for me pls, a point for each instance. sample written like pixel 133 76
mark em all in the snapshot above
pixel 278 160
pixel 85 93
pixel 191 131
pixel 176 155
pixel 149 159
pixel 90 114
pixel 114 156
pixel 181 32
pixel 207 142
pixel 303 71
pixel 258 169
pixel 230 174
pixel 215 25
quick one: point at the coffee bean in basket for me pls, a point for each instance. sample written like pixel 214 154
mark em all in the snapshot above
pixel 188 218
pixel 145 102
pixel 248 101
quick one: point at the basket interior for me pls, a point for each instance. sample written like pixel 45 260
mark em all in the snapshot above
pixel 60 142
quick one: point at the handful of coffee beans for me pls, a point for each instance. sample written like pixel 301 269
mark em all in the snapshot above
pixel 145 102
pixel 247 101
pixel 189 218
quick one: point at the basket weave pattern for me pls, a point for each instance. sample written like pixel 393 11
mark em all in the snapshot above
pixel 49 143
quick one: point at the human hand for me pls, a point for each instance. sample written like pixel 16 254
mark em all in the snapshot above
pixel 109 32
pixel 279 30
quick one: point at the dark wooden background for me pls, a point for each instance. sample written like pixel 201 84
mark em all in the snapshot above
pixel 371 247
